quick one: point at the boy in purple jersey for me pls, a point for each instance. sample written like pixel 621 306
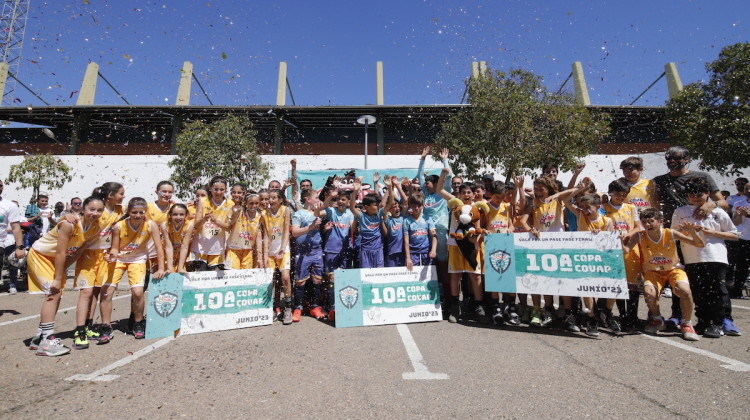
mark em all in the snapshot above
pixel 368 223
pixel 337 237
pixel 420 243
pixel 392 227
pixel 309 258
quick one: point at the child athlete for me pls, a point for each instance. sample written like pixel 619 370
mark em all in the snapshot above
pixel 209 243
pixel 278 221
pixel 176 233
pixel 309 258
pixel 337 248
pixel 130 252
pixel 47 261
pixel 245 238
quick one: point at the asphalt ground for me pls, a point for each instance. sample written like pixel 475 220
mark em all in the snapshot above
pixel 311 369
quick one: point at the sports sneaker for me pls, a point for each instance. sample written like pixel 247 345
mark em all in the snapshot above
pixel 667 293
pixel 34 343
pixel 12 290
pixel 547 315
pixel 700 327
pixel 688 333
pixel 287 317
pixel 454 314
pixel 296 315
pixel 536 318
pixel 730 329
pixel 592 328
pixel 526 315
pixel 80 341
pixel 93 334
pixel 655 324
pixel 279 315
pixel 139 329
pixel 571 324
pixel 105 333
pixel 332 315
pixel 612 323
pixel 713 331
pixel 51 347
pixel 497 315
pixel 318 312
pixel 513 318
pixel 672 324
pixel 480 313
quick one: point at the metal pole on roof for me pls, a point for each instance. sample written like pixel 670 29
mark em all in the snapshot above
pixel 366 120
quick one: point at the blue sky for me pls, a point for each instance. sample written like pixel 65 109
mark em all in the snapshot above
pixel 331 47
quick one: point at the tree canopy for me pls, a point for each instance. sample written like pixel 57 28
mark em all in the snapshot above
pixel 38 170
pixel 515 123
pixel 712 119
pixel 227 148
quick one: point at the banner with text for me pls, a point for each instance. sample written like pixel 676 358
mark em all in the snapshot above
pixel 379 296
pixel 563 263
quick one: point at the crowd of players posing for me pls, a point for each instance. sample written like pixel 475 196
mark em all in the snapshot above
pixel 401 222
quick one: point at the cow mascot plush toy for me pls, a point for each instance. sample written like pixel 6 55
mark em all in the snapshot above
pixel 465 218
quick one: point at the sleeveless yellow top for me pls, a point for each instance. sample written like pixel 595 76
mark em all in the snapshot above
pixel 661 255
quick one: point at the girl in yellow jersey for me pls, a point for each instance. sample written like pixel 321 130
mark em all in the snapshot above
pixel 211 224
pixel 627 223
pixel 176 234
pixel 245 238
pixel 589 220
pixel 277 223
pixel 200 193
pixel 48 261
pixel 92 270
pixel 546 215
pixel 130 252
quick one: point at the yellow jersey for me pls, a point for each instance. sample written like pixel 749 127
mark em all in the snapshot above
pixel 275 229
pixel 246 229
pixel 498 218
pixel 661 255
pixel 641 194
pixel 153 212
pixel 107 222
pixel 211 237
pixel 587 225
pixel 133 242
pixel 47 244
pixel 624 218
pixel 548 217
pixel 177 236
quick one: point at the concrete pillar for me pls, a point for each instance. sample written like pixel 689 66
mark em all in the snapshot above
pixel 3 79
pixel 674 83
pixel 186 81
pixel 281 86
pixel 582 92
pixel 88 87
pixel 483 68
pixel 474 69
pixel 379 83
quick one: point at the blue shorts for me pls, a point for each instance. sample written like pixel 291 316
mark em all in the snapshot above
pixel 308 265
pixel 421 259
pixel 371 258
pixel 395 260
pixel 332 262
pixel 441 234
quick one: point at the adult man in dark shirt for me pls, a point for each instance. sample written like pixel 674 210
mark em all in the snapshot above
pixel 670 193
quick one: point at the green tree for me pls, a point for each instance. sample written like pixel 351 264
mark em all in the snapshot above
pixel 38 170
pixel 227 147
pixel 515 123
pixel 712 119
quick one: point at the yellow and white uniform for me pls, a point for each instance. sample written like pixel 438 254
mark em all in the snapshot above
pixel 275 225
pixel 91 268
pixel 154 213
pixel 178 240
pixel 498 219
pixel 641 194
pixel 133 253
pixel 661 265
pixel 548 217
pixel 41 258
pixel 587 225
pixel 210 243
pixel 241 242
pixel 624 219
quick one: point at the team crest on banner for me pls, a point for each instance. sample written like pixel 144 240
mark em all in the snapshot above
pixel 500 260
pixel 165 303
pixel 349 296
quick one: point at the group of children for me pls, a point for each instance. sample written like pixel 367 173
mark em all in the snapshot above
pixel 406 223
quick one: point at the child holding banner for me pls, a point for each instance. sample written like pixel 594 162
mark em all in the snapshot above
pixel 658 248
pixel 370 234
pixel 176 232
pixel 337 247
pixel 308 261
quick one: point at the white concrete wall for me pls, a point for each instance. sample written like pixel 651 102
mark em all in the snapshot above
pixel 140 174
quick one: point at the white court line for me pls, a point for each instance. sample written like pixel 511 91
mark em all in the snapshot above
pixel 26 318
pixel 731 364
pixel 101 374
pixel 741 307
pixel 417 361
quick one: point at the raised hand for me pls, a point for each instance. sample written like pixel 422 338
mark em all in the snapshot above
pixel 444 153
pixel 425 152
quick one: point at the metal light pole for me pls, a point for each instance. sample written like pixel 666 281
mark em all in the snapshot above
pixel 366 120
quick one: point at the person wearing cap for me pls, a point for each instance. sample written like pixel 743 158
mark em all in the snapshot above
pixel 488 180
pixel 10 222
